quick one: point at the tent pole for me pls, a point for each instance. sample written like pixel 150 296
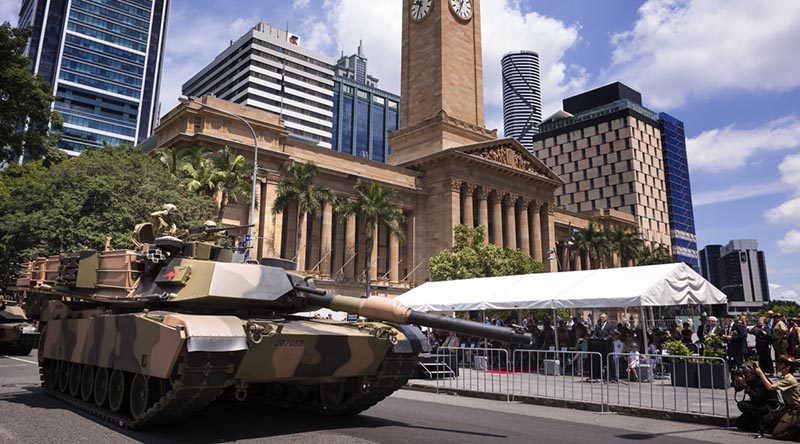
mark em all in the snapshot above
pixel 555 328
pixel 644 330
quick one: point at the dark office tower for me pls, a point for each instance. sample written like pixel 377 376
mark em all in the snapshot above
pixel 522 96
pixel 743 275
pixel 363 114
pixel 679 190
pixel 103 60
pixel 709 264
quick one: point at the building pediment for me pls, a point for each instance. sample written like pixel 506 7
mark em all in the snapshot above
pixel 509 153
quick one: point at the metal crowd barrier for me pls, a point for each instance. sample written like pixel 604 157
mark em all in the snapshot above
pixel 684 384
pixel 680 384
pixel 565 375
pixel 475 369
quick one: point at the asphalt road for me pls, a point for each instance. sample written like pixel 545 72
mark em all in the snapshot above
pixel 29 416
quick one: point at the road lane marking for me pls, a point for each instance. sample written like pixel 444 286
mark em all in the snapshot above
pixel 12 365
pixel 20 359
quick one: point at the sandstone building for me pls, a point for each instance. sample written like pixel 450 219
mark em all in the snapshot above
pixel 446 167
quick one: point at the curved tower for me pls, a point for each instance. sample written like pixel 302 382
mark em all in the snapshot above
pixel 522 96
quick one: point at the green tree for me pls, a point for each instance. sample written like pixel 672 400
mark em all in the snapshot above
pixel 654 255
pixel 625 243
pixel 233 173
pixel 25 101
pixel 591 242
pixel 201 177
pixel 471 257
pixel 77 203
pixel 376 206
pixel 299 187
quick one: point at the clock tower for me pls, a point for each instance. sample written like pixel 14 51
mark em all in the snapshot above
pixel 441 84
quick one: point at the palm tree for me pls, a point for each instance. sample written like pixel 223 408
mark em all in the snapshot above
pixel 232 175
pixel 170 158
pixel 299 187
pixel 625 243
pixel 202 177
pixel 654 255
pixel 591 242
pixel 375 205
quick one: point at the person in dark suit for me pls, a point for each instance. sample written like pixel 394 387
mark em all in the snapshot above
pixel 735 335
pixel 603 328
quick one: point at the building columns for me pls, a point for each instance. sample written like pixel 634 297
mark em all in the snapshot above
pixel 483 212
pixel 271 229
pixel 510 223
pixel 394 259
pixel 523 231
pixel 466 205
pixel 350 247
pixel 497 220
pixel 303 238
pixel 549 239
pixel 373 260
pixel 326 242
pixel 536 231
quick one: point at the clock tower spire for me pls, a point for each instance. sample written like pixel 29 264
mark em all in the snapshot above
pixel 441 86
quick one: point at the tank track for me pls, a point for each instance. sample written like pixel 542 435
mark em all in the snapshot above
pixel 200 378
pixel 393 374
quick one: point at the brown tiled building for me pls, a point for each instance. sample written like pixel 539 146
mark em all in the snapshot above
pixel 607 148
pixel 446 167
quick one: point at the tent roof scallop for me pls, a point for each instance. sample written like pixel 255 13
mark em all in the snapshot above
pixel 653 285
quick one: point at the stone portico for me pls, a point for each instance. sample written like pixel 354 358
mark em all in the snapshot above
pixel 496 184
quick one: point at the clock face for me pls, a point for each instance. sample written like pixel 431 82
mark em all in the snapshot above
pixel 461 8
pixel 420 9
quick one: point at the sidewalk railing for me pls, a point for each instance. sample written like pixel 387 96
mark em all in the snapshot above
pixel 564 375
pixel 693 385
pixel 475 369
pixel 685 384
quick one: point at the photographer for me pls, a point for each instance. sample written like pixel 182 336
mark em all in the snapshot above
pixel 790 391
pixel 758 402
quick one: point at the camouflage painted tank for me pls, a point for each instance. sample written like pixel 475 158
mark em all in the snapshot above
pixel 144 337
pixel 18 336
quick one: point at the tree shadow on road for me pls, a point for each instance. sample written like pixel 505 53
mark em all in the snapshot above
pixel 228 420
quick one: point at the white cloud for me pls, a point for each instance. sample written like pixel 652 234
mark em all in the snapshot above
pixel 787 212
pixel 729 148
pixel 300 4
pixel 774 286
pixel 737 192
pixel 790 170
pixel 791 242
pixel 9 11
pixel 193 40
pixel 682 49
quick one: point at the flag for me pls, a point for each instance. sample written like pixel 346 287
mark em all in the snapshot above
pixel 294 39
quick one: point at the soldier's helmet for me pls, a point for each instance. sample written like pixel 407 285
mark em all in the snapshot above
pixel 210 224
pixel 170 208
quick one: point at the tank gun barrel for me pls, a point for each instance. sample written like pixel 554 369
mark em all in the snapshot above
pixel 203 229
pixel 385 309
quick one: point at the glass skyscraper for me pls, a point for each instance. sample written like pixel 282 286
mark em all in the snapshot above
pixel 679 190
pixel 103 60
pixel 522 96
pixel 362 114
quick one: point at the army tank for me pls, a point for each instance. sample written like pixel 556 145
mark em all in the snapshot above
pixel 18 336
pixel 147 336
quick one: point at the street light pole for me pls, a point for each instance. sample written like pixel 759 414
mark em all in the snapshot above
pixel 252 218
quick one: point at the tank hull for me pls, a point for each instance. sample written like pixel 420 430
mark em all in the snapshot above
pixel 17 335
pixel 163 357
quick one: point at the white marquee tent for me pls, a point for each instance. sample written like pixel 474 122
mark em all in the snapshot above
pixel 646 286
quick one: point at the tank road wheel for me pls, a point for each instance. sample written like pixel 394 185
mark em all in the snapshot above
pixel 52 373
pixel 75 379
pixel 63 377
pixel 87 382
pixel 100 389
pixel 331 395
pixel 145 391
pixel 117 391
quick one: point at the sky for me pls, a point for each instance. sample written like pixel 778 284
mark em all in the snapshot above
pixel 729 69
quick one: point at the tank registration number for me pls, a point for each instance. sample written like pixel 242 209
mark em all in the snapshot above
pixel 289 343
